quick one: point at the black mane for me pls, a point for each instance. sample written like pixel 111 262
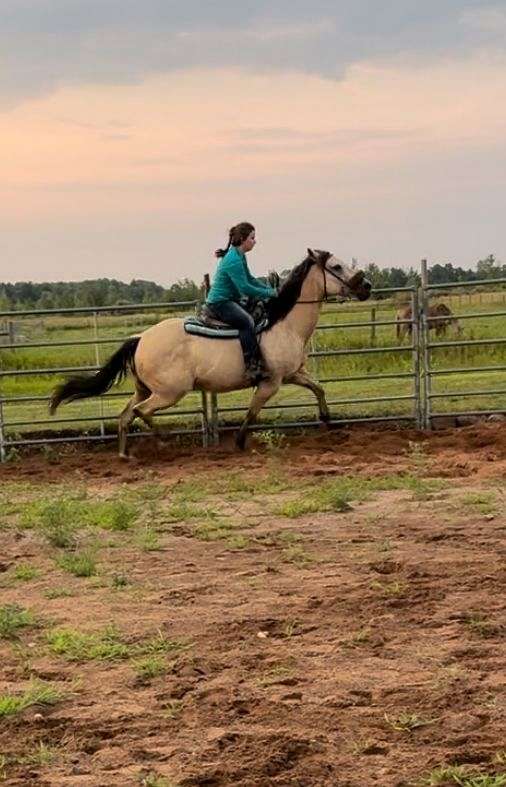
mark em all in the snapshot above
pixel 278 308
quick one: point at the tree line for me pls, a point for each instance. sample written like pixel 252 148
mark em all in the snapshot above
pixel 111 292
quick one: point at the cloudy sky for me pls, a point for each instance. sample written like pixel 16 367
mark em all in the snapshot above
pixel 133 134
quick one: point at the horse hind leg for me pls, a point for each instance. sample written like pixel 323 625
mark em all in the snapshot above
pixel 128 415
pixel 125 420
pixel 147 408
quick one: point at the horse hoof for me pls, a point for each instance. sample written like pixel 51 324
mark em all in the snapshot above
pixel 125 457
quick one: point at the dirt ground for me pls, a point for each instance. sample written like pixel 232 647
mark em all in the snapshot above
pixel 339 648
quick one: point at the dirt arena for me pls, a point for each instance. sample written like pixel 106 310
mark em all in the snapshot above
pixel 321 632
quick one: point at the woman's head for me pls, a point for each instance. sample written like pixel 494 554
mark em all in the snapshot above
pixel 242 235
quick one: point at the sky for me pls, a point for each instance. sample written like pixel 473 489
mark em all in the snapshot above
pixel 134 134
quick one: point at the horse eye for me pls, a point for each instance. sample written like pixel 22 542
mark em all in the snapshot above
pixel 338 268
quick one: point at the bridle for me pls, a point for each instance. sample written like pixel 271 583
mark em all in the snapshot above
pixel 335 275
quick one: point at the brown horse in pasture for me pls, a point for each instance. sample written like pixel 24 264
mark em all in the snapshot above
pixel 166 362
pixel 440 318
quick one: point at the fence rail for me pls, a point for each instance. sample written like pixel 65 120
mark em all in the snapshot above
pixel 25 384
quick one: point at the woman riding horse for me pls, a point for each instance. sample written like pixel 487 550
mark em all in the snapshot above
pixel 232 282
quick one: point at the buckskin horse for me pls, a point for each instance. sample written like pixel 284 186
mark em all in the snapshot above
pixel 167 361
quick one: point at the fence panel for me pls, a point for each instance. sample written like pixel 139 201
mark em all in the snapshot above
pixel 416 380
pixel 466 344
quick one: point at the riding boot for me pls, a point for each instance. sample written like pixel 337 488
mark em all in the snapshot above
pixel 255 370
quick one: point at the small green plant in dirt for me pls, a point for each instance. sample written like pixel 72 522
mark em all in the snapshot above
pixel 59 593
pixel 483 502
pixel 238 542
pixel 119 581
pixel 41 755
pixel 151 492
pixel 25 572
pixel 76 645
pixel 213 530
pixel 289 629
pixel 12 619
pixel 417 455
pixel 407 722
pixel 58 523
pixel 478 625
pixel 359 638
pixel 155 780
pixel 150 667
pixel 117 515
pixel 461 776
pixel 277 674
pixel 159 643
pixel 80 564
pixel 108 645
pixel 361 746
pixel 173 708
pixel 182 511
pixel 500 758
pixel 297 555
pixel 148 540
pixel 395 589
pixel 271 440
pixel 36 694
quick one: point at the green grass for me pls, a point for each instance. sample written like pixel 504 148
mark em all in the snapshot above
pixel 148 540
pixel 36 694
pixel 478 624
pixel 338 495
pixel 80 564
pixel 53 593
pixel 213 530
pixel 12 619
pixel 483 502
pixel 60 520
pixel 79 646
pixel 461 776
pixel 150 667
pixel 25 572
pixel 108 645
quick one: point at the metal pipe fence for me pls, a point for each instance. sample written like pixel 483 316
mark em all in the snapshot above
pixel 403 390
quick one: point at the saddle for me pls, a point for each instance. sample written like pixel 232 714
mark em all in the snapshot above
pixel 204 323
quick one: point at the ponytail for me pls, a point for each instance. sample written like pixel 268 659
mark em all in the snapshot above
pixel 236 236
pixel 221 252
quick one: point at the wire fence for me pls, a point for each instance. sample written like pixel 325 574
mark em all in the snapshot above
pixel 369 372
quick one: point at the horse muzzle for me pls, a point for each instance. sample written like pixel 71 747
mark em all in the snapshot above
pixel 360 286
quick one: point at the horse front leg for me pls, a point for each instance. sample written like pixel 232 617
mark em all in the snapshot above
pixel 263 393
pixel 303 379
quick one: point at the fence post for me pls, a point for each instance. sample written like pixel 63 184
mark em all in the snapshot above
pixel 415 338
pixel 425 338
pixel 373 326
pixel 213 427
pixel 11 331
pixel 98 363
pixel 3 452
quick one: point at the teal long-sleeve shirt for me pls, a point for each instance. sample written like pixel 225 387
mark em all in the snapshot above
pixel 233 280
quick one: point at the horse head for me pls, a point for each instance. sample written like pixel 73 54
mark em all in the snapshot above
pixel 339 278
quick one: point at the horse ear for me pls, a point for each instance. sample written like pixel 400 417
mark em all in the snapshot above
pixel 311 254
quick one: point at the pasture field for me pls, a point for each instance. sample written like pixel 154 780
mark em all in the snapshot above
pixel 322 611
pixel 24 416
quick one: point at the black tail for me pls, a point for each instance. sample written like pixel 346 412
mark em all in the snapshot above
pixel 93 385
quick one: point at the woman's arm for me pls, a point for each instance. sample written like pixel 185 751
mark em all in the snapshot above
pixel 246 283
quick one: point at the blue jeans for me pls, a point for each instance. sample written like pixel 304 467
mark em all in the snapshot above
pixel 237 317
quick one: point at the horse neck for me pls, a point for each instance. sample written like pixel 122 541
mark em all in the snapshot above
pixel 304 316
